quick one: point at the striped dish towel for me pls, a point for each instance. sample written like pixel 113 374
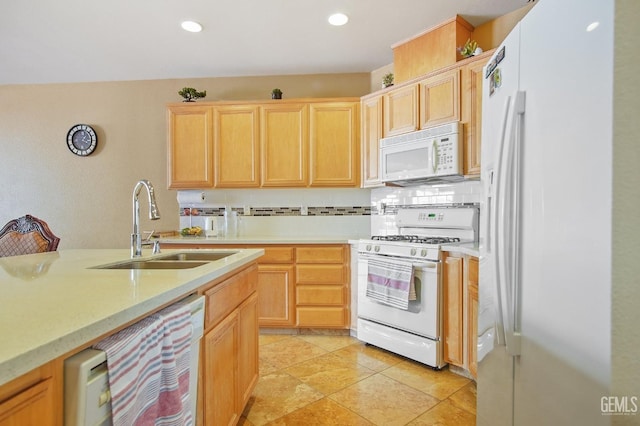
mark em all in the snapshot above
pixel 390 282
pixel 148 366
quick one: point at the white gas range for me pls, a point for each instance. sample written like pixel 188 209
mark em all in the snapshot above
pixel 414 331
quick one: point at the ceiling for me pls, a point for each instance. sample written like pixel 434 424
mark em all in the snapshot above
pixel 88 40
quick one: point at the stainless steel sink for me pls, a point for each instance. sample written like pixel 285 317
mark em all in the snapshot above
pixel 207 256
pixel 152 264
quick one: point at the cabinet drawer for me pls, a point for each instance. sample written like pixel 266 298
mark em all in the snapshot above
pixel 322 317
pixel 320 295
pixel 224 297
pixel 333 254
pixel 321 274
pixel 277 255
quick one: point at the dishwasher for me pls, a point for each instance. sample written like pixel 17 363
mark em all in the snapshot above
pixel 87 400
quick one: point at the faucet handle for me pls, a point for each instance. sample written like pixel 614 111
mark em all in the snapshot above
pixel 150 234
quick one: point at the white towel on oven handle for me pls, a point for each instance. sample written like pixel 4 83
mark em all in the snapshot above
pixel 390 281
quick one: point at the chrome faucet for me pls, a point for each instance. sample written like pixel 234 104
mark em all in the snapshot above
pixel 154 214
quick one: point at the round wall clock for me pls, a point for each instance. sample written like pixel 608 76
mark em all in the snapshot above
pixel 82 140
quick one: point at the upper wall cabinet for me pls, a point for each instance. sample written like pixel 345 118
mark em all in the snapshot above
pixel 190 146
pixel 283 144
pixel 440 99
pixel 334 144
pixel 236 146
pixel 451 94
pixel 371 131
pixel 401 110
pixel 472 112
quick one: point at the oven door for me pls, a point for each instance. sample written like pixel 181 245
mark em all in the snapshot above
pixel 423 316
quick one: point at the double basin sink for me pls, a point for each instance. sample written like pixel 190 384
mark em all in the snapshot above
pixel 179 260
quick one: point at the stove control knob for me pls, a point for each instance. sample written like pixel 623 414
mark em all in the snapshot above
pixel 413 252
pixel 376 249
pixel 368 248
pixel 423 253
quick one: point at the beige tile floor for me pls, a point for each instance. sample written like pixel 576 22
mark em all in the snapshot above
pixel 338 380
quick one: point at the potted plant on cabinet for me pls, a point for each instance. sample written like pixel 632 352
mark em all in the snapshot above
pixel 190 94
pixel 276 94
pixel 387 80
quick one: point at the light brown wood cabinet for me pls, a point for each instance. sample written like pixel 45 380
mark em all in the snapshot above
pixel 230 347
pixel 276 287
pixel 30 399
pixel 472 112
pixel 453 309
pixel 284 144
pixel 472 317
pixel 190 146
pixel 371 130
pixel 334 154
pixel 451 94
pixel 236 146
pixel 401 110
pixel 460 312
pixel 439 99
pixel 301 286
pixel 322 287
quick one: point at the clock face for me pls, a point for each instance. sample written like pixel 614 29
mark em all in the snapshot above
pixel 82 140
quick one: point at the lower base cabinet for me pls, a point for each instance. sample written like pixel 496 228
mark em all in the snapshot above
pixel 230 348
pixel 299 286
pixel 31 399
pixel 460 313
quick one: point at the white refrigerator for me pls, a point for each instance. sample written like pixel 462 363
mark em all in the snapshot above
pixel 544 323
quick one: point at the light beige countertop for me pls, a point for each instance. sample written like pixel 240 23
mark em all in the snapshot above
pixel 256 239
pixel 471 249
pixel 53 303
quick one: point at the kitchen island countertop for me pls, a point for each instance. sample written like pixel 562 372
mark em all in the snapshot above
pixel 53 303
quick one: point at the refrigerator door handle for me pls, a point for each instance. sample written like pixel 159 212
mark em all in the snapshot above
pixel 507 260
pixel 495 195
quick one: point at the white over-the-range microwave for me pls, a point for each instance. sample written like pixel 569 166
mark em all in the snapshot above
pixel 426 156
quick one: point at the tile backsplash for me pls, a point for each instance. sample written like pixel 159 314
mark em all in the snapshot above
pixel 283 212
pixel 331 211
pixel 385 201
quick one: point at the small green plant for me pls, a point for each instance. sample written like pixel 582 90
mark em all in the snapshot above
pixel 468 49
pixel 190 94
pixel 387 80
pixel 276 93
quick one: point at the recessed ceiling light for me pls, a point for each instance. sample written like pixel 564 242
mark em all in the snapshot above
pixel 592 26
pixel 191 26
pixel 338 19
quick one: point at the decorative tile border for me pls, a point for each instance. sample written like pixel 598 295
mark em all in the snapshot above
pixel 280 211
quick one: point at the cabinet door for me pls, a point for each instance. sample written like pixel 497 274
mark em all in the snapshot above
pixel 334 158
pixel 401 110
pixel 276 298
pixel 33 406
pixel 247 348
pixel 440 99
pixel 190 147
pixel 236 146
pixel 472 317
pixel 371 134
pixel 452 311
pixel 285 140
pixel 220 371
pixel 472 114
